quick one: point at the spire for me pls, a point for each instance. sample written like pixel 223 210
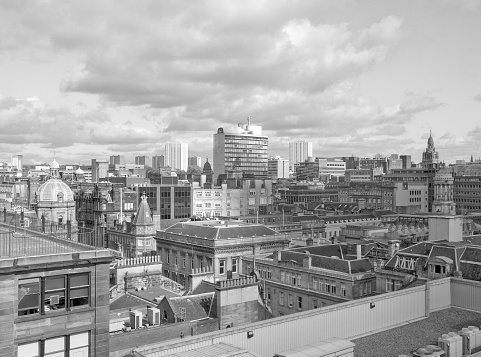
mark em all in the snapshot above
pixel 472 158
pixel 143 218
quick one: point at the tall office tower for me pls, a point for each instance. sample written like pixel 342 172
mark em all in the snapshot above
pixel 299 151
pixel 100 169
pixel 195 161
pixel 242 149
pixel 17 162
pixel 116 160
pixel 158 161
pixel 142 160
pixel 176 155
pixel 406 161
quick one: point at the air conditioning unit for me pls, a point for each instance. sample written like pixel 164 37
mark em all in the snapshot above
pixel 54 299
pixel 135 319
pixel 468 340
pixel 452 344
pixel 475 339
pixel 153 316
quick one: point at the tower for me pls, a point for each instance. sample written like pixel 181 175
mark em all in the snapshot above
pixel 430 156
pixel 443 194
pixel 299 151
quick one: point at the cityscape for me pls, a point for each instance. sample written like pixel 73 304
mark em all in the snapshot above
pixel 255 179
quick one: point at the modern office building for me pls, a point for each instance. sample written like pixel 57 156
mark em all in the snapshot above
pixel 168 201
pixel 299 151
pixel 176 155
pixel 278 167
pixel 406 161
pixel 116 160
pixel 240 150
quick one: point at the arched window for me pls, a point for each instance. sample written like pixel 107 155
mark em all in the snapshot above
pixel 60 197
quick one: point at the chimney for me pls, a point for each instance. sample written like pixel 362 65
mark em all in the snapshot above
pixel 277 257
pixel 307 260
pixel 392 247
pixel 358 251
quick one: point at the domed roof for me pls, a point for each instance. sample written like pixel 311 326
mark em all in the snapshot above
pixel 53 190
pixel 207 167
pixel 54 164
pixel 79 171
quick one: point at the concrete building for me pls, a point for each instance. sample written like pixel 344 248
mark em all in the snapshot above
pixel 100 169
pixel 142 160
pixel 241 150
pixel 158 161
pixel 299 151
pixel 212 248
pixel 176 155
pixel 406 161
pixel 117 160
pixel 278 167
pixel 54 299
pixel 168 201
pixel 17 162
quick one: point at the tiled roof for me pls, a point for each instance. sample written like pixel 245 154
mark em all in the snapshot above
pixel 328 250
pixel 203 288
pixel 360 266
pixel 423 248
pixel 143 218
pixel 471 254
pixel 196 306
pixel 216 230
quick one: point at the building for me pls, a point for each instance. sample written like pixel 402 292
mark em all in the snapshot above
pixel 406 161
pixel 176 155
pixel 142 160
pixel 373 163
pixel 430 155
pixel 158 161
pixel 299 151
pixel 54 298
pixel 213 247
pixel 17 162
pixel 195 161
pixel 240 150
pixel 100 169
pixel 362 175
pixel 308 278
pixel 444 194
pixel 168 201
pixel 331 167
pixel 137 237
pixel 116 160
pixel 277 167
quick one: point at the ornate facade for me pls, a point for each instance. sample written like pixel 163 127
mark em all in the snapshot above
pixel 430 155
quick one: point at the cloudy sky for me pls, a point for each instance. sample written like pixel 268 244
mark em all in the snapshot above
pixel 98 78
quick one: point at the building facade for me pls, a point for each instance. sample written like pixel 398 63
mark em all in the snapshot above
pixel 430 155
pixel 176 155
pixel 299 151
pixel 278 167
pixel 240 150
pixel 168 201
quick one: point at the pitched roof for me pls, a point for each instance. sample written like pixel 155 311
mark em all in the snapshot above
pixel 204 287
pixel 143 218
pixel 127 301
pixel 196 306
pixel 471 254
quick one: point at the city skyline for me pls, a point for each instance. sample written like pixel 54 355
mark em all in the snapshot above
pixel 99 79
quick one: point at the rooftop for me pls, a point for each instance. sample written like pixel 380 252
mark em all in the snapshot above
pixel 405 339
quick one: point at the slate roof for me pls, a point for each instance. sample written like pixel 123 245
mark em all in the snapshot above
pixel 214 230
pixel 127 301
pixel 471 254
pixel 474 240
pixel 143 217
pixel 328 250
pixel 204 287
pixel 196 306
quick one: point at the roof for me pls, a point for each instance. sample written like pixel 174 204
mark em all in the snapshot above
pixel 143 217
pixel 217 230
pixel 50 190
pixel 219 350
pixel 204 287
pixel 321 348
pixel 196 306
pixel 127 301
pixel 471 254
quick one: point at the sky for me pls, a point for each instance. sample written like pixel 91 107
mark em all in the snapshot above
pixel 90 79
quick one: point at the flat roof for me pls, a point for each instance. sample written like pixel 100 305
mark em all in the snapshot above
pixel 407 338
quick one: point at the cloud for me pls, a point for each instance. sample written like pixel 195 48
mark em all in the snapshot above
pixel 29 120
pixel 477 97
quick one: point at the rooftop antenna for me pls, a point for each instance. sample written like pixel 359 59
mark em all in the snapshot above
pixel 248 120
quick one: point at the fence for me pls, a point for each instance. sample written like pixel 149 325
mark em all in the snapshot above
pixel 346 320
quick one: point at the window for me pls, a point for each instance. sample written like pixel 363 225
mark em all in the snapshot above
pixel 79 290
pixel 54 293
pixel 343 289
pixel 176 259
pixel 221 266
pixel 328 286
pixel 28 296
pixel 234 265
pixel 168 256
pixel 283 277
pixel 314 303
pixel 183 260
pixel 128 206
pixel 73 345
pixel 268 296
pixel 281 298
pixel 315 284
pixel 140 243
pixel 289 300
pixel 299 302
pixel 333 288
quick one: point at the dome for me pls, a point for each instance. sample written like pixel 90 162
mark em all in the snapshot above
pixel 54 190
pixel 79 171
pixel 207 167
pixel 430 141
pixel 54 165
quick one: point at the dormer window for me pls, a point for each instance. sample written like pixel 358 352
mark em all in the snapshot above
pixel 60 197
